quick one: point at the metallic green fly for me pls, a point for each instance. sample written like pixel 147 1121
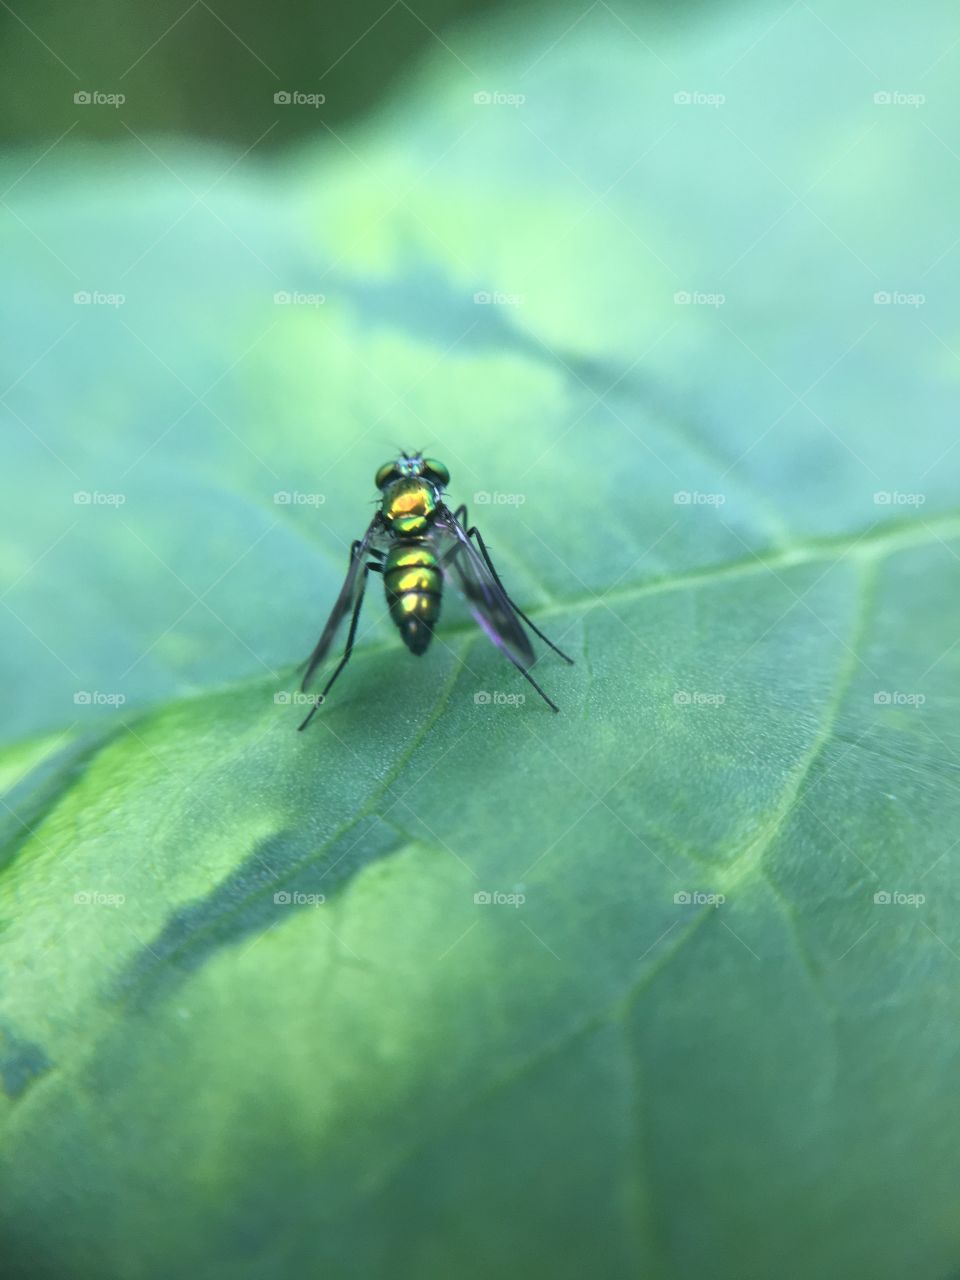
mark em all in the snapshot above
pixel 417 544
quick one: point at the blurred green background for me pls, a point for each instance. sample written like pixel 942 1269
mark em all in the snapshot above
pixel 679 282
pixel 208 70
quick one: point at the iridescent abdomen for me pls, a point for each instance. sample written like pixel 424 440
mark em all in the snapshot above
pixel 414 585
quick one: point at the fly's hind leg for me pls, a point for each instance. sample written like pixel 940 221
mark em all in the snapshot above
pixel 376 567
pixel 461 515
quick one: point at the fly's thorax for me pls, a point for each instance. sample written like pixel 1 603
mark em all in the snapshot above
pixel 409 505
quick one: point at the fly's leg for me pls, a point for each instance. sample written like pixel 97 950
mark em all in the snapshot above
pixel 461 515
pixel 376 567
pixel 527 676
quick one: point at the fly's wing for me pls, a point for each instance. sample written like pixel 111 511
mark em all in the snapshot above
pixel 346 601
pixel 470 573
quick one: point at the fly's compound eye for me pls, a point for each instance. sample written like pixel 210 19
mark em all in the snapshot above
pixel 386 473
pixel 436 472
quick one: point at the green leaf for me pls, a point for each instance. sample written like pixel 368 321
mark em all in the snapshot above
pixel 687 1038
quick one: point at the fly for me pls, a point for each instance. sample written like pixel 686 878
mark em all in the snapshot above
pixel 417 544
